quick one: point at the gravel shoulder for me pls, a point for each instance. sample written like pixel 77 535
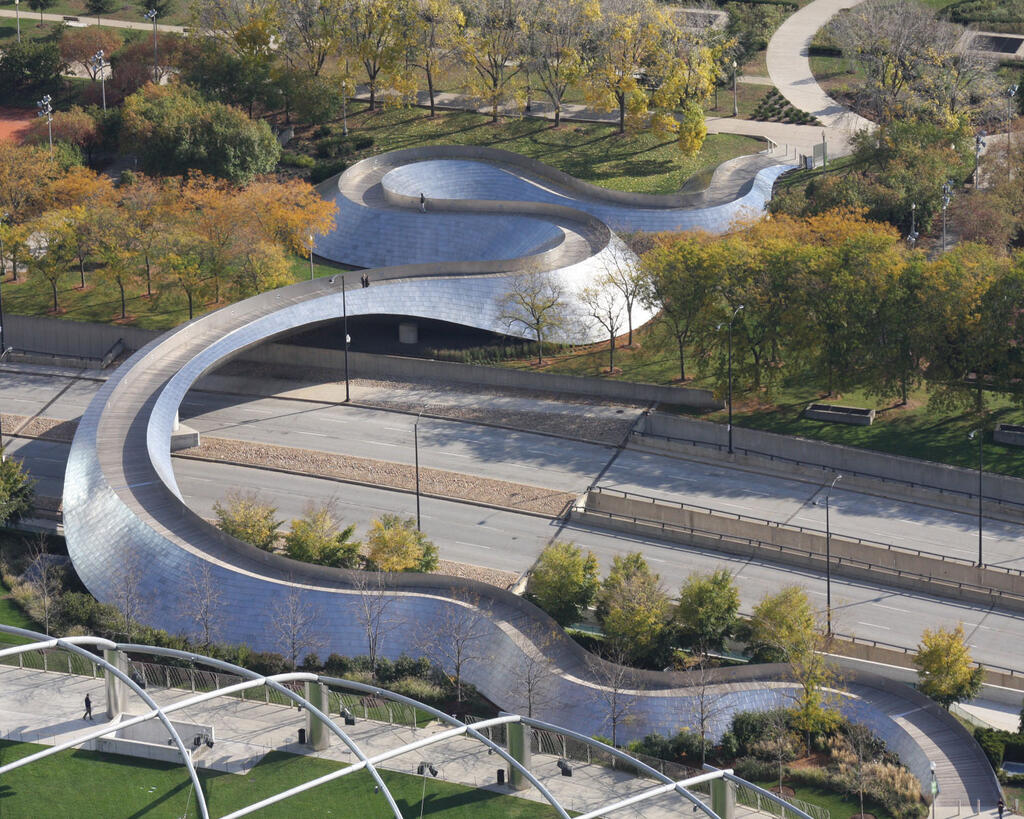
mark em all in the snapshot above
pixel 435 482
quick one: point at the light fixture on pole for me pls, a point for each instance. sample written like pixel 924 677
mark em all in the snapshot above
pixel 344 319
pixel 980 432
pixel 416 461
pixel 311 259
pixel 422 771
pixel 46 110
pixel 151 15
pixel 3 268
pixel 947 195
pixel 735 105
pixel 17 13
pixel 729 376
pixel 99 64
pixel 828 559
pixel 912 236
pixel 1011 92
pixel 979 143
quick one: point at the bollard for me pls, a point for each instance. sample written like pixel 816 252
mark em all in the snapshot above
pixel 978 811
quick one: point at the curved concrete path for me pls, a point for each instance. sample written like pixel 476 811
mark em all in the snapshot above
pixel 789 67
pixel 125 521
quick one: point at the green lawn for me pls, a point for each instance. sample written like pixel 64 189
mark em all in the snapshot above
pixel 839 806
pixel 642 162
pixel 80 783
pixel 101 302
pixel 178 15
pixel 916 430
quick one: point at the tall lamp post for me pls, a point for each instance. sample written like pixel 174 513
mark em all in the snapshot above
pixel 151 15
pixel 735 105
pixel 99 64
pixel 422 771
pixel 828 559
pixel 416 457
pixel 947 195
pixel 1011 92
pixel 17 13
pixel 311 260
pixel 344 319
pixel 46 110
pixel 912 236
pixel 979 143
pixel 980 432
pixel 729 392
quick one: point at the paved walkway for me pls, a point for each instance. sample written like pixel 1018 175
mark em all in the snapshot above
pixel 45 708
pixel 28 18
pixel 790 68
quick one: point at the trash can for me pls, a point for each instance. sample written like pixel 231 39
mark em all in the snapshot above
pixel 302 736
pixel 501 776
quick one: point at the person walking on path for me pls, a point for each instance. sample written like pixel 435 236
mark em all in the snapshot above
pixel 423 203
pixel 1000 806
pixel 88 709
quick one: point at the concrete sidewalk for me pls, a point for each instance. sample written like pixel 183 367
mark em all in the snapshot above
pixel 46 708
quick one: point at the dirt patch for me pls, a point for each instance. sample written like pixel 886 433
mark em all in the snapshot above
pixel 437 482
pixel 785 791
pixel 15 123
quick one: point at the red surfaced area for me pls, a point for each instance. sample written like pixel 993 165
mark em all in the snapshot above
pixel 15 122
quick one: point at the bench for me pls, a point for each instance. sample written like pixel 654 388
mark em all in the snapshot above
pixel 841 415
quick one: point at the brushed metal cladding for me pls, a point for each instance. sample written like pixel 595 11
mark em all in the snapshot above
pixel 125 521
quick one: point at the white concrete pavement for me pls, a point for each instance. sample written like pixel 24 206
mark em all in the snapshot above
pixel 45 708
pixel 790 69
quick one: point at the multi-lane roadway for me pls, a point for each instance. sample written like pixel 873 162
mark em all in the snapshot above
pixel 510 541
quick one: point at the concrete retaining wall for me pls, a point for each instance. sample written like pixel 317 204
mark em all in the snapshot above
pixel 59 337
pixel 806 549
pixel 814 458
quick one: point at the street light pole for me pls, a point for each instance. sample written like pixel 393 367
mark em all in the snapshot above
pixel 311 260
pixel 46 110
pixel 99 64
pixel 416 458
pixel 735 105
pixel 1011 92
pixel 731 319
pixel 344 312
pixel 422 771
pixel 912 236
pixel 979 143
pixel 151 15
pixel 947 194
pixel 17 13
pixel 980 432
pixel 828 559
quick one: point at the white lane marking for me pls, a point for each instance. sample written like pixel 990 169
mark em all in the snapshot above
pixel 873 625
pixel 317 434
pixel 456 455
pixel 397 429
pixel 474 545
pixel 656 560
pixel 892 608
pixel 381 443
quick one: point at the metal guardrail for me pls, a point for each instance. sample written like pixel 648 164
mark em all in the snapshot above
pixel 806 553
pixel 742 450
pixel 853 638
pixel 601 490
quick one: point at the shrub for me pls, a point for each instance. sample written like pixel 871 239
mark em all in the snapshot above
pixel 325 170
pixel 993 743
pixel 751 768
pixel 295 160
pixel 418 688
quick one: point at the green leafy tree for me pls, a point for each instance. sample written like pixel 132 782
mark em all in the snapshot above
pixel 633 608
pixel 396 545
pixel 16 490
pixel 559 32
pixel 98 7
pixel 29 68
pixel 316 538
pixel 782 626
pixel 40 6
pixel 564 581
pixel 55 250
pixel 174 130
pixel 707 610
pixel 492 46
pixel 436 28
pixel 377 34
pixel 944 666
pixel 248 518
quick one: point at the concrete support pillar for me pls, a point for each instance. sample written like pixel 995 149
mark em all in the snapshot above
pixel 316 731
pixel 519 736
pixel 408 332
pixel 117 692
pixel 723 798
pixel 177 422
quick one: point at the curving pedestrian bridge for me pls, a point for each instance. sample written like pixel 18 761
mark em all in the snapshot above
pixel 489 215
